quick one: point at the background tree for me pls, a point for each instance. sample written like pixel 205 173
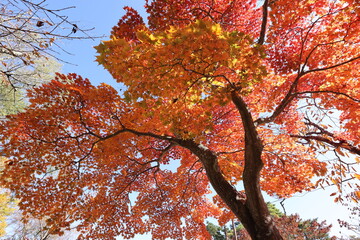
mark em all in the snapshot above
pixel 232 93
pixel 5 210
pixel 215 231
pixel 30 32
pixel 353 223
pixel 292 227
pixel 12 100
pixel 17 76
pixel 6 206
pixel 34 229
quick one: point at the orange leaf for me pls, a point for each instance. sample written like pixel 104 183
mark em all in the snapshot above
pixel 357 194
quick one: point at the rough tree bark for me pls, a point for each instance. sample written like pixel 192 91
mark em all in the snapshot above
pixel 250 208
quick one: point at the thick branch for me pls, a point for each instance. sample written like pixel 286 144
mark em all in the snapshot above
pixel 233 199
pixel 264 23
pixel 251 135
pixel 283 104
pixel 337 144
pixel 327 137
pixel 291 94
pixel 253 149
pixel 332 66
pixel 251 175
pixel 329 92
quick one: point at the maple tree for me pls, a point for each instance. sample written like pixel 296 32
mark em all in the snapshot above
pixel 233 93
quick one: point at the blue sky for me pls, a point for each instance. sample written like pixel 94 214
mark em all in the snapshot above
pixel 103 15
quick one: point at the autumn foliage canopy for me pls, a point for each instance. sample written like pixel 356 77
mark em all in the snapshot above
pixel 223 99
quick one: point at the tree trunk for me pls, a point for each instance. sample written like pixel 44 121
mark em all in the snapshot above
pixel 234 229
pixel 253 215
pixel 250 208
pixel 225 232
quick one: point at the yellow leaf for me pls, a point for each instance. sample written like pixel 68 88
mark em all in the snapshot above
pixel 217 83
pixel 357 176
pixel 216 29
